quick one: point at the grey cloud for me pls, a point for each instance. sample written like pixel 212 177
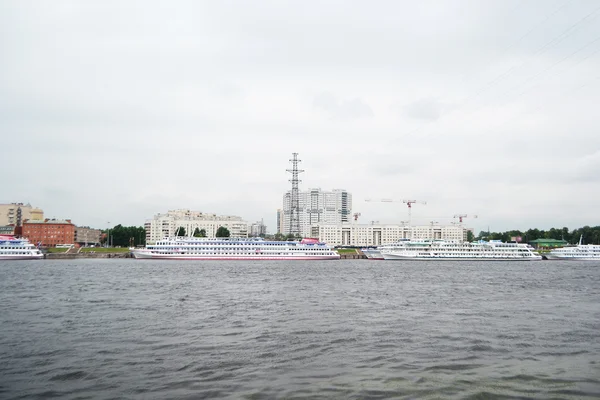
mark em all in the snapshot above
pixel 156 99
pixel 584 169
pixel 427 109
pixel 351 109
pixel 393 169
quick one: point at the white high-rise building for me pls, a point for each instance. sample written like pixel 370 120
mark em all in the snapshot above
pixel 318 207
pixel 377 234
pixel 167 225
pixel 280 219
pixel 257 229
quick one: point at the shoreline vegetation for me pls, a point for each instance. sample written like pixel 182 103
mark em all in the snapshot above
pixel 588 234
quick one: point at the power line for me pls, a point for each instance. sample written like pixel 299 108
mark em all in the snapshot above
pixel 555 64
pixel 566 33
pixel 562 95
pixel 534 76
pixel 520 39
pixel 553 42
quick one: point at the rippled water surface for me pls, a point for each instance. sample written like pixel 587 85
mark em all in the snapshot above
pixel 335 329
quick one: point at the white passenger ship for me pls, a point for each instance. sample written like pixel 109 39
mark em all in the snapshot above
pixel 584 252
pixel 189 248
pixel 467 251
pixel 18 249
pixel 375 253
pixel 372 254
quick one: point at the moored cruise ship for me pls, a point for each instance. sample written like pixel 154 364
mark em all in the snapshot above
pixel 493 250
pixel 18 249
pixel 375 253
pixel 583 252
pixel 190 248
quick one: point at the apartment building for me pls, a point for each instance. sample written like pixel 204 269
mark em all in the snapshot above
pixel 257 229
pixel 84 236
pixel 16 213
pixel 317 207
pixel 166 225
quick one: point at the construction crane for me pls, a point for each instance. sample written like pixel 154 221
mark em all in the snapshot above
pixel 409 203
pixel 461 216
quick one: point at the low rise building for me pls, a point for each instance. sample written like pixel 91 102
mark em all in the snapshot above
pixel 547 243
pixel 378 234
pixel 49 232
pixel 7 230
pixel 86 236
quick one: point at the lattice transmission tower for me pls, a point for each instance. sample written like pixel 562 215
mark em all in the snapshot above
pixel 294 214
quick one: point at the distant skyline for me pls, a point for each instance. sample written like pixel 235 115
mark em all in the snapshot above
pixel 116 111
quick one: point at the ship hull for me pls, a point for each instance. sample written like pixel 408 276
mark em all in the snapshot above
pixel 5 257
pixel 554 257
pixel 150 256
pixel 424 258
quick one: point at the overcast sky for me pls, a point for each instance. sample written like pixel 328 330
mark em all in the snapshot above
pixel 118 110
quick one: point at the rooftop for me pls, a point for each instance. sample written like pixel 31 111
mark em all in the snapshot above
pixel 547 241
pixel 47 221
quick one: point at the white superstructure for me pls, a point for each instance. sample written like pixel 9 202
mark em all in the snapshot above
pixel 18 249
pixel 468 251
pixel 317 207
pixel 189 248
pixel 579 252
pixel 167 225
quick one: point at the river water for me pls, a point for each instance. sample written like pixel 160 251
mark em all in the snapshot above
pixel 124 328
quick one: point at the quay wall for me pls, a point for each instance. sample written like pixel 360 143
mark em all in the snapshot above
pixel 352 256
pixel 72 256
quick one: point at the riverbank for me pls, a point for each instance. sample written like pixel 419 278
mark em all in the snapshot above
pixel 71 256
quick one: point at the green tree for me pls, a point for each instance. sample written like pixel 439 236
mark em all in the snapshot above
pixel 203 232
pixel 197 232
pixel 222 232
pixel 470 236
pixel 279 236
pixel 180 231
pixel 125 236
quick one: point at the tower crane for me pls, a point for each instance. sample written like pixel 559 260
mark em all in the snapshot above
pixel 409 203
pixel 461 216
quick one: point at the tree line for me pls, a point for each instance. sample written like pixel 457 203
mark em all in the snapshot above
pixel 589 235
pixel 125 236
pixel 201 233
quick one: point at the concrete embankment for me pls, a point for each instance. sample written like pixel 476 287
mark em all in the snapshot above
pixel 349 256
pixel 71 256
